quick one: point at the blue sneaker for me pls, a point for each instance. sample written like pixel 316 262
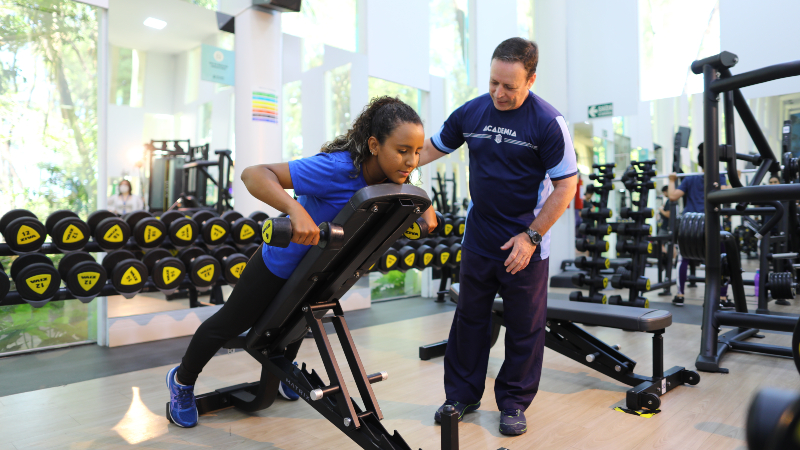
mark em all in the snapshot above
pixel 512 422
pixel 182 409
pixel 461 409
pixel 287 392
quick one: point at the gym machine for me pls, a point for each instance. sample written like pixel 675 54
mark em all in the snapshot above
pixel 592 231
pixel 718 80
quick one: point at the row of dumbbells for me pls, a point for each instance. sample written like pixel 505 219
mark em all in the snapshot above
pixel 25 233
pixel 38 280
pixel 405 254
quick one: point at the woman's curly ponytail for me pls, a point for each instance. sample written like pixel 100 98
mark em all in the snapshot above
pixel 379 118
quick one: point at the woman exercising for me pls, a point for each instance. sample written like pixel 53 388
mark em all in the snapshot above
pixel 383 145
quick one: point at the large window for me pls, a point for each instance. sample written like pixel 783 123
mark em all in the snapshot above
pixel 127 76
pixel 450 48
pixel 337 101
pixel 320 23
pixel 48 155
pixel 675 33
pixel 292 121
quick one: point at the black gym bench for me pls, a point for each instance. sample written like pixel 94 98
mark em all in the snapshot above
pixel 367 226
pixel 568 339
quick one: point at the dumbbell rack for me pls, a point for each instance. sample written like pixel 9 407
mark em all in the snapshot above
pixel 593 228
pixel 638 180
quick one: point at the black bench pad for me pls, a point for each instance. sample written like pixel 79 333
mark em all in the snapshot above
pixel 611 316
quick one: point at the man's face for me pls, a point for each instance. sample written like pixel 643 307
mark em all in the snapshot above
pixel 774 180
pixel 509 84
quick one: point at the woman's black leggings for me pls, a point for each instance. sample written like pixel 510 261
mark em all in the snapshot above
pixel 255 290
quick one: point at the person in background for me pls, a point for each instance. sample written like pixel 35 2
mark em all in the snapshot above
pixel 664 212
pixel 774 180
pixel 693 188
pixel 125 201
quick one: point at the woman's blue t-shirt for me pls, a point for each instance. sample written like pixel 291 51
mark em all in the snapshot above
pixel 323 183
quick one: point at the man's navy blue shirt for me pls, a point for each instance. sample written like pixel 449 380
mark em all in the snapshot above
pixel 694 192
pixel 513 156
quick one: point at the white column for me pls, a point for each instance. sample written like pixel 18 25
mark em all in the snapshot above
pixel 551 35
pixel 258 63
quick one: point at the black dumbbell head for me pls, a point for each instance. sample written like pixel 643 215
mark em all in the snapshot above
pixel 167 271
pixel 388 260
pixel 231 216
pixel 203 269
pixel 406 257
pixel 441 254
pixel 259 217
pixel 455 255
pixel 83 276
pixel 148 232
pixel 23 231
pixel 249 250
pixel 231 262
pixel 109 231
pixel 331 235
pixel 424 257
pixel 213 230
pixel 182 230
pixel 244 230
pixel 447 229
pixel 459 226
pixel 128 275
pixel 68 232
pixel 5 284
pixel 277 232
pixel 36 278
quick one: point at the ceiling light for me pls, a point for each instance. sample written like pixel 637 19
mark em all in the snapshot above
pixel 155 23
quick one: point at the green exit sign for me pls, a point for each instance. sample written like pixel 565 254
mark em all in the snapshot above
pixel 604 110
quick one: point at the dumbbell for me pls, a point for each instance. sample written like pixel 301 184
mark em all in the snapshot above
pixel 249 250
pixel 182 231
pixel 5 284
pixel 36 278
pixel 419 229
pixel 459 226
pixel 447 229
pixel 582 280
pixel 602 213
pixel 244 230
pixel 622 279
pixel 231 261
pixel 128 275
pixel 277 232
pixel 423 252
pixel 82 275
pixel 388 261
pixel 640 248
pixel 583 262
pixel 632 229
pixel 638 302
pixel 585 245
pixel 259 217
pixel 577 296
pixel 109 231
pixel 167 271
pixel 203 269
pixel 23 231
pixel 148 232
pixel 628 213
pixel 441 254
pixel 406 257
pixel 601 230
pixel 455 255
pixel 67 231
pixel 213 230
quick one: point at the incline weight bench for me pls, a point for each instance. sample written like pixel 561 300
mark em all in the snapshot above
pixel 567 338
pixel 366 227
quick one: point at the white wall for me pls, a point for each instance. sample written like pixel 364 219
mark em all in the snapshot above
pixel 398 41
pixel 551 36
pixel 602 56
pixel 489 15
pixel 761 34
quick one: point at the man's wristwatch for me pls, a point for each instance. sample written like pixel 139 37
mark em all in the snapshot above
pixel 536 238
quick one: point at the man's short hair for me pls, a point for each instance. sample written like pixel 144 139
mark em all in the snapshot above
pixel 700 155
pixel 517 49
pixel 664 189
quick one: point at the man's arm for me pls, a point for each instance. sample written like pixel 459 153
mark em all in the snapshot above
pixel 429 153
pixel 673 193
pixel 553 208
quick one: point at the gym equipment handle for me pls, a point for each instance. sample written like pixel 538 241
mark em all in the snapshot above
pixel 320 393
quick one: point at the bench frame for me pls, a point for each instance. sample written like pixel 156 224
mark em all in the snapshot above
pixel 372 221
pixel 572 341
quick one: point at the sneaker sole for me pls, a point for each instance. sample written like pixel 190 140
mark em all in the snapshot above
pixel 513 433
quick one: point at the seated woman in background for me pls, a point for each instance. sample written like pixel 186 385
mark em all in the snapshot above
pixel 124 202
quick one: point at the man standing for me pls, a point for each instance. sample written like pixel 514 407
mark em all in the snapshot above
pixel 522 178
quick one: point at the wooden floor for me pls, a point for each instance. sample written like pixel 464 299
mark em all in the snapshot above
pixel 573 410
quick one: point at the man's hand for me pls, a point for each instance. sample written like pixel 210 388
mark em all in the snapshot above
pixel 521 253
pixel 673 177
